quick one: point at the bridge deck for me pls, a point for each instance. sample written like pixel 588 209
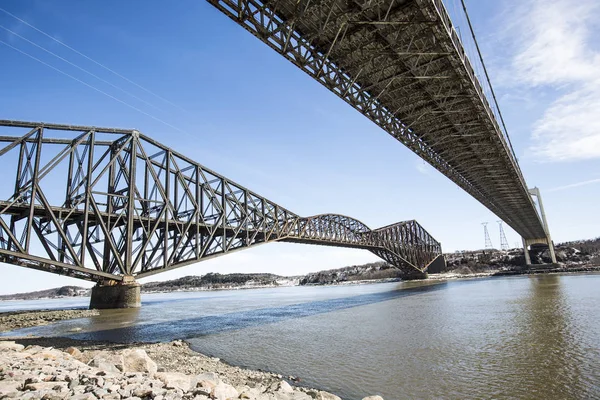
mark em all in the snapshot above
pixel 402 65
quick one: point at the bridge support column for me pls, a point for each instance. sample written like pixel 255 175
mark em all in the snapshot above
pixel 113 294
pixel 541 244
pixel 414 274
pixel 540 241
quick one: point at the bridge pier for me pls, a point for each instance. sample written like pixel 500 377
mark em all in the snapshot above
pixel 413 275
pixel 114 294
pixel 545 241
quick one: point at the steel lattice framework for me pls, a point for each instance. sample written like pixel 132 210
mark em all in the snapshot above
pixel 112 203
pixel 402 65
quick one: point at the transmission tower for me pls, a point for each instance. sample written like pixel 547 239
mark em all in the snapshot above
pixel 503 241
pixel 488 241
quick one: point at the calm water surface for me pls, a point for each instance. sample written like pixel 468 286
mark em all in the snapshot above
pixel 532 337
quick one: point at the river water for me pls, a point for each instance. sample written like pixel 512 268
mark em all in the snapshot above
pixel 528 337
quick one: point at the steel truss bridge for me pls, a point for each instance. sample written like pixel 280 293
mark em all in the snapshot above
pixel 109 204
pixel 402 65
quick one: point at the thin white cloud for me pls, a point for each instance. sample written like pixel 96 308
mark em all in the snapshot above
pixel 556 50
pixel 574 185
pixel 556 37
pixel 423 168
pixel 570 127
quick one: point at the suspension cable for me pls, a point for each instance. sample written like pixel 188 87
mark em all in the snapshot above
pixel 487 76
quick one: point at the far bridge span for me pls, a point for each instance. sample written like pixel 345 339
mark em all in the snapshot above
pixel 113 206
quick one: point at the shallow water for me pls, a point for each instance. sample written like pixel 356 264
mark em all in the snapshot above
pixel 513 337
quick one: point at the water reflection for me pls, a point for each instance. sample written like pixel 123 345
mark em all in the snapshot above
pixel 545 355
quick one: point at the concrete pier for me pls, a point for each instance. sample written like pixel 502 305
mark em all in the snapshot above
pixel 113 294
pixel 414 275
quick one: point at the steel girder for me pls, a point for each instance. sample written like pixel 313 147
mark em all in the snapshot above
pixel 402 65
pixel 107 203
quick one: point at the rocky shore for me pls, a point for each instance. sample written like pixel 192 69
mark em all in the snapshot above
pixel 163 371
pixel 62 368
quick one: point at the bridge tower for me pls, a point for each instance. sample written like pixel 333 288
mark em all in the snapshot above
pixel 537 243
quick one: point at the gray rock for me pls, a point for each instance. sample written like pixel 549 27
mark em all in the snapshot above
pixel 114 388
pixel 285 387
pixel 100 393
pixel 289 396
pixel 73 351
pixel 33 349
pixel 251 393
pixel 175 380
pixel 327 396
pixel 56 396
pixel 7 387
pixel 107 362
pixel 172 396
pixel 49 386
pixel 224 391
pixel 9 345
pixel 84 396
pixel 208 376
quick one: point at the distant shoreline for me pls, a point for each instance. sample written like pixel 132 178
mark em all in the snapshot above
pixel 432 277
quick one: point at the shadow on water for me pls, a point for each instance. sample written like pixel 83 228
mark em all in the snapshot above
pixel 103 327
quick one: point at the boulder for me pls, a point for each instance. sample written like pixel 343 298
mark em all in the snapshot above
pixel 285 387
pixel 54 386
pixel 224 391
pixel 327 396
pixel 7 387
pixel 138 361
pixel 9 345
pixel 175 380
pixel 289 396
pixel 373 398
pixel 208 376
pixel 74 352
pixel 107 362
pixel 32 349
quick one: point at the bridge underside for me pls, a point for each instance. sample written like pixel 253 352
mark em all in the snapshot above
pixel 401 64
pixel 111 205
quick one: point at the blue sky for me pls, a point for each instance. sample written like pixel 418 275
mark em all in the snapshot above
pixel 194 80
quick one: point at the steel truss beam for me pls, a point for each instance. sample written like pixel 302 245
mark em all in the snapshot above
pixel 108 203
pixel 399 62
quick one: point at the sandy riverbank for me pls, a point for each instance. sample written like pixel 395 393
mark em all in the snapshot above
pixel 62 368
